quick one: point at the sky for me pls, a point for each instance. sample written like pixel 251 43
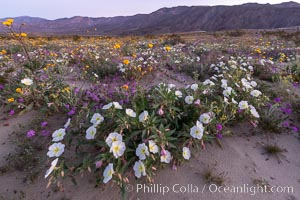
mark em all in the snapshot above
pixel 54 9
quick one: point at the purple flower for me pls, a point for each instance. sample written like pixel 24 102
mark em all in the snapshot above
pixel 295 129
pixel 277 99
pixel 43 124
pixel 219 136
pixel 21 100
pixel 12 112
pixel 1 87
pixel 285 124
pixel 76 90
pixel 30 133
pixel 98 163
pixel 45 133
pixel 219 127
pixel 286 110
pixel 72 111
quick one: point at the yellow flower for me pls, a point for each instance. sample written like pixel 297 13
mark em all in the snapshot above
pixel 19 90
pixel 125 87
pixel 117 46
pixel 167 48
pixel 3 52
pixel 10 100
pixel 8 22
pixel 23 35
pixel 126 62
pixel 150 45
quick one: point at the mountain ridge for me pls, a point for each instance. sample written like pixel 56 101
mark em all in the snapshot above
pixel 171 20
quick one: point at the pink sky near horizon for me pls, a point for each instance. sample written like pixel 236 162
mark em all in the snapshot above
pixel 53 9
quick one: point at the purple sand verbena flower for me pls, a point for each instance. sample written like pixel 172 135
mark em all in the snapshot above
pixel 12 112
pixel 30 133
pixel 277 99
pixel 43 124
pixel 219 127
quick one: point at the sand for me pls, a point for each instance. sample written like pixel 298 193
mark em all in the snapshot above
pixel 240 160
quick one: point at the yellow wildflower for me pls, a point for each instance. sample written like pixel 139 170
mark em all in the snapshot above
pixel 117 46
pixel 167 48
pixel 23 35
pixel 19 90
pixel 125 87
pixel 10 100
pixel 150 45
pixel 126 62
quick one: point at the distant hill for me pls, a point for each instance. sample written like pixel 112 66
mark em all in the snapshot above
pixel 172 20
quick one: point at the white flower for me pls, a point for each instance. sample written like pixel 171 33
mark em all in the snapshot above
pixel 243 105
pixel 139 169
pixel 97 119
pixel 143 116
pixel 117 148
pixel 67 124
pixel 108 172
pixel 27 81
pixel 58 135
pixel 113 137
pixel 254 111
pixel 142 151
pixel 50 170
pixel 55 150
pixel 165 156
pixel 197 131
pixel 130 113
pixel 153 147
pixel 208 82
pixel 234 101
pixel 227 92
pixel 91 132
pixel 194 87
pixel 189 99
pixel 178 93
pixel 186 153
pixel 107 106
pixel 224 83
pixel 205 118
pixel 117 105
pixel 255 93
pixel 253 83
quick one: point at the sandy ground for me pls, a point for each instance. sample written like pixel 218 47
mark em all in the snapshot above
pixel 240 160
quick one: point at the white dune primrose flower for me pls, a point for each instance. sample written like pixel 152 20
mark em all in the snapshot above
pixel 27 81
pixel 97 119
pixel 55 150
pixel 108 172
pixel 117 148
pixel 197 131
pixel 255 93
pixel 178 93
pixel 194 86
pixel 117 105
pixel 227 92
pixel 189 99
pixel 143 116
pixel 243 105
pixel 153 148
pixel 107 106
pixel 254 112
pixel 139 169
pixel 52 167
pixel 113 137
pixel 165 156
pixel 142 151
pixel 205 118
pixel 130 113
pixel 67 124
pixel 91 132
pixel 58 135
pixel 186 153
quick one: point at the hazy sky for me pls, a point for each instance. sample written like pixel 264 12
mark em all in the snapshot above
pixel 53 9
